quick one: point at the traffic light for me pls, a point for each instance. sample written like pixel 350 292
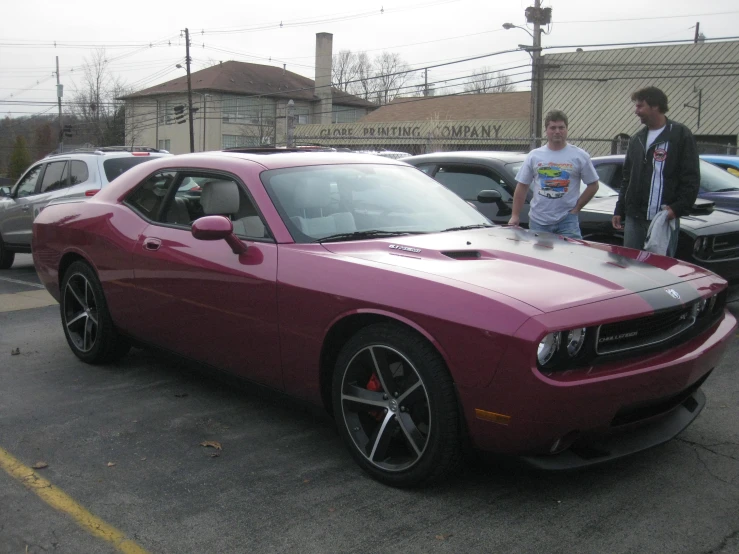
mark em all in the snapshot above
pixel 67 130
pixel 179 113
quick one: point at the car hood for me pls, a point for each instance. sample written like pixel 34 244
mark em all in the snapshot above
pixel 689 222
pixel 544 271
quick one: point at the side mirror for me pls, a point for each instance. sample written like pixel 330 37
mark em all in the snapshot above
pixel 217 227
pixel 5 192
pixel 489 197
pixel 494 197
pixel 701 206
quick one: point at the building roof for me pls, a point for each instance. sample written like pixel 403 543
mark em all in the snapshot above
pixel 502 105
pixel 594 87
pixel 249 78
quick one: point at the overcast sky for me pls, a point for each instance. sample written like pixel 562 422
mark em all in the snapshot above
pixel 422 32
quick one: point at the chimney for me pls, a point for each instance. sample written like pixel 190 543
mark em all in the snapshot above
pixel 324 54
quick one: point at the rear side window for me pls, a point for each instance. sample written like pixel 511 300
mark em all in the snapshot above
pixel 118 166
pixel 78 172
pixel 55 177
pixel 148 198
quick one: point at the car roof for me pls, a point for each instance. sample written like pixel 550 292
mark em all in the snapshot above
pixel 278 160
pixel 471 155
pixel 722 157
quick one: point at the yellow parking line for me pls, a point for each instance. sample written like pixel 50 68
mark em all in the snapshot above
pixel 64 503
pixel 25 300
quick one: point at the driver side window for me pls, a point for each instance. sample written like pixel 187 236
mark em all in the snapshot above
pixel 27 185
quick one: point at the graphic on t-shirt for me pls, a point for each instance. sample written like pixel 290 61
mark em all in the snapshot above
pixel 554 179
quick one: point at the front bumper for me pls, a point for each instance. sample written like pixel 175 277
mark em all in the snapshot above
pixel 591 415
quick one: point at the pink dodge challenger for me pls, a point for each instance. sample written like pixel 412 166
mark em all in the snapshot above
pixel 362 285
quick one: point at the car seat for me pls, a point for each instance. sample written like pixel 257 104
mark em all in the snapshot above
pixel 312 201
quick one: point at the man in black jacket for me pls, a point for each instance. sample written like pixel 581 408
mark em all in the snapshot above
pixel 661 171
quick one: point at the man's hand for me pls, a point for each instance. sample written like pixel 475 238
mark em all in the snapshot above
pixel 514 221
pixel 616 222
pixel 670 214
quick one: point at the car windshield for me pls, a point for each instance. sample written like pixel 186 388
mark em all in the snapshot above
pixel 715 179
pixel 355 201
pixel 604 191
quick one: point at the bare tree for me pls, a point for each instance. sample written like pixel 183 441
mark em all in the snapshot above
pixel 391 74
pixel 344 69
pixel 364 85
pixel 486 80
pixel 96 104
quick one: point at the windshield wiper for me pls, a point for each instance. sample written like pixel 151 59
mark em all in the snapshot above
pixel 730 189
pixel 370 234
pixel 466 227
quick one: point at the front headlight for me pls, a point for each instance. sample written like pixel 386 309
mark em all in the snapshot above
pixel 575 340
pixel 548 348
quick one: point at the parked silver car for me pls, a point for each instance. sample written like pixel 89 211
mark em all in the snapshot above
pixel 72 174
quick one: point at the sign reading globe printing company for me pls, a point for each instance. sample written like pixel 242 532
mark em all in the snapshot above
pixel 442 130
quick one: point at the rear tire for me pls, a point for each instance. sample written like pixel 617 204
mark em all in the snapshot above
pixel 395 406
pixel 87 324
pixel 6 256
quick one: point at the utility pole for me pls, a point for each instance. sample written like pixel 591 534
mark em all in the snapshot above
pixel 697 32
pixel 59 94
pixel 189 89
pixel 290 124
pixel 426 82
pixel 536 88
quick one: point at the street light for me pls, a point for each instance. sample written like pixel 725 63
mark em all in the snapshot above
pixel 508 26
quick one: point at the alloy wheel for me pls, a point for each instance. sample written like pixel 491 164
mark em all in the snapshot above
pixel 385 407
pixel 81 312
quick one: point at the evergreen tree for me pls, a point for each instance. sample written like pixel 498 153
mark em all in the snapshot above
pixel 20 158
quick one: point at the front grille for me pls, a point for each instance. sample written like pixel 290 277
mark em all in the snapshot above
pixel 645 331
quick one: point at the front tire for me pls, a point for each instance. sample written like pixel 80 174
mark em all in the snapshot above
pixel 395 406
pixel 87 324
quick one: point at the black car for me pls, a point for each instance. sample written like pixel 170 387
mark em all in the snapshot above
pixel 709 236
pixel 717 185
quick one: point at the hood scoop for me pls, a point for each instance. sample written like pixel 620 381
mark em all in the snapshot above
pixel 463 254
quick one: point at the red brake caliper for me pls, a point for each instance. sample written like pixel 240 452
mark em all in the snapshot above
pixel 375 386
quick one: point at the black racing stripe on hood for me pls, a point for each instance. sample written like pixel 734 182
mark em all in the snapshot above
pixel 661 299
pixel 628 273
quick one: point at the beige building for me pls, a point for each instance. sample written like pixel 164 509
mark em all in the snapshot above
pixel 238 104
pixel 425 124
pixel 594 89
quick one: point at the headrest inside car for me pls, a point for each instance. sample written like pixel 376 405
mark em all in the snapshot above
pixel 220 198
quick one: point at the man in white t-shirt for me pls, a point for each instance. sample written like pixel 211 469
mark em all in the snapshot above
pixel 554 172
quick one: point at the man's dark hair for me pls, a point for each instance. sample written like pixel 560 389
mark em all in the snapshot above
pixel 555 115
pixel 652 96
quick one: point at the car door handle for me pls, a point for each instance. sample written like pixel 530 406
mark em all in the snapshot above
pixel 152 244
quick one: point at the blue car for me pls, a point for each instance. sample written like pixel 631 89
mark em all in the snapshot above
pixel 717 185
pixel 729 163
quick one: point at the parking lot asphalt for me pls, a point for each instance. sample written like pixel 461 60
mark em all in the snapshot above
pixel 125 444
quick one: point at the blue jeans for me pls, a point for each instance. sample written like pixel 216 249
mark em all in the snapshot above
pixel 568 227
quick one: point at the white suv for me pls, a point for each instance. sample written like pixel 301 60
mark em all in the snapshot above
pixel 79 173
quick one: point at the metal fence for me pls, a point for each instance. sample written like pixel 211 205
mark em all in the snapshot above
pixel 594 146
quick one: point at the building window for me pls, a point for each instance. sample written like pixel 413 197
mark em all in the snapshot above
pixel 164 144
pixel 237 141
pixel 344 114
pixel 302 115
pixel 249 110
